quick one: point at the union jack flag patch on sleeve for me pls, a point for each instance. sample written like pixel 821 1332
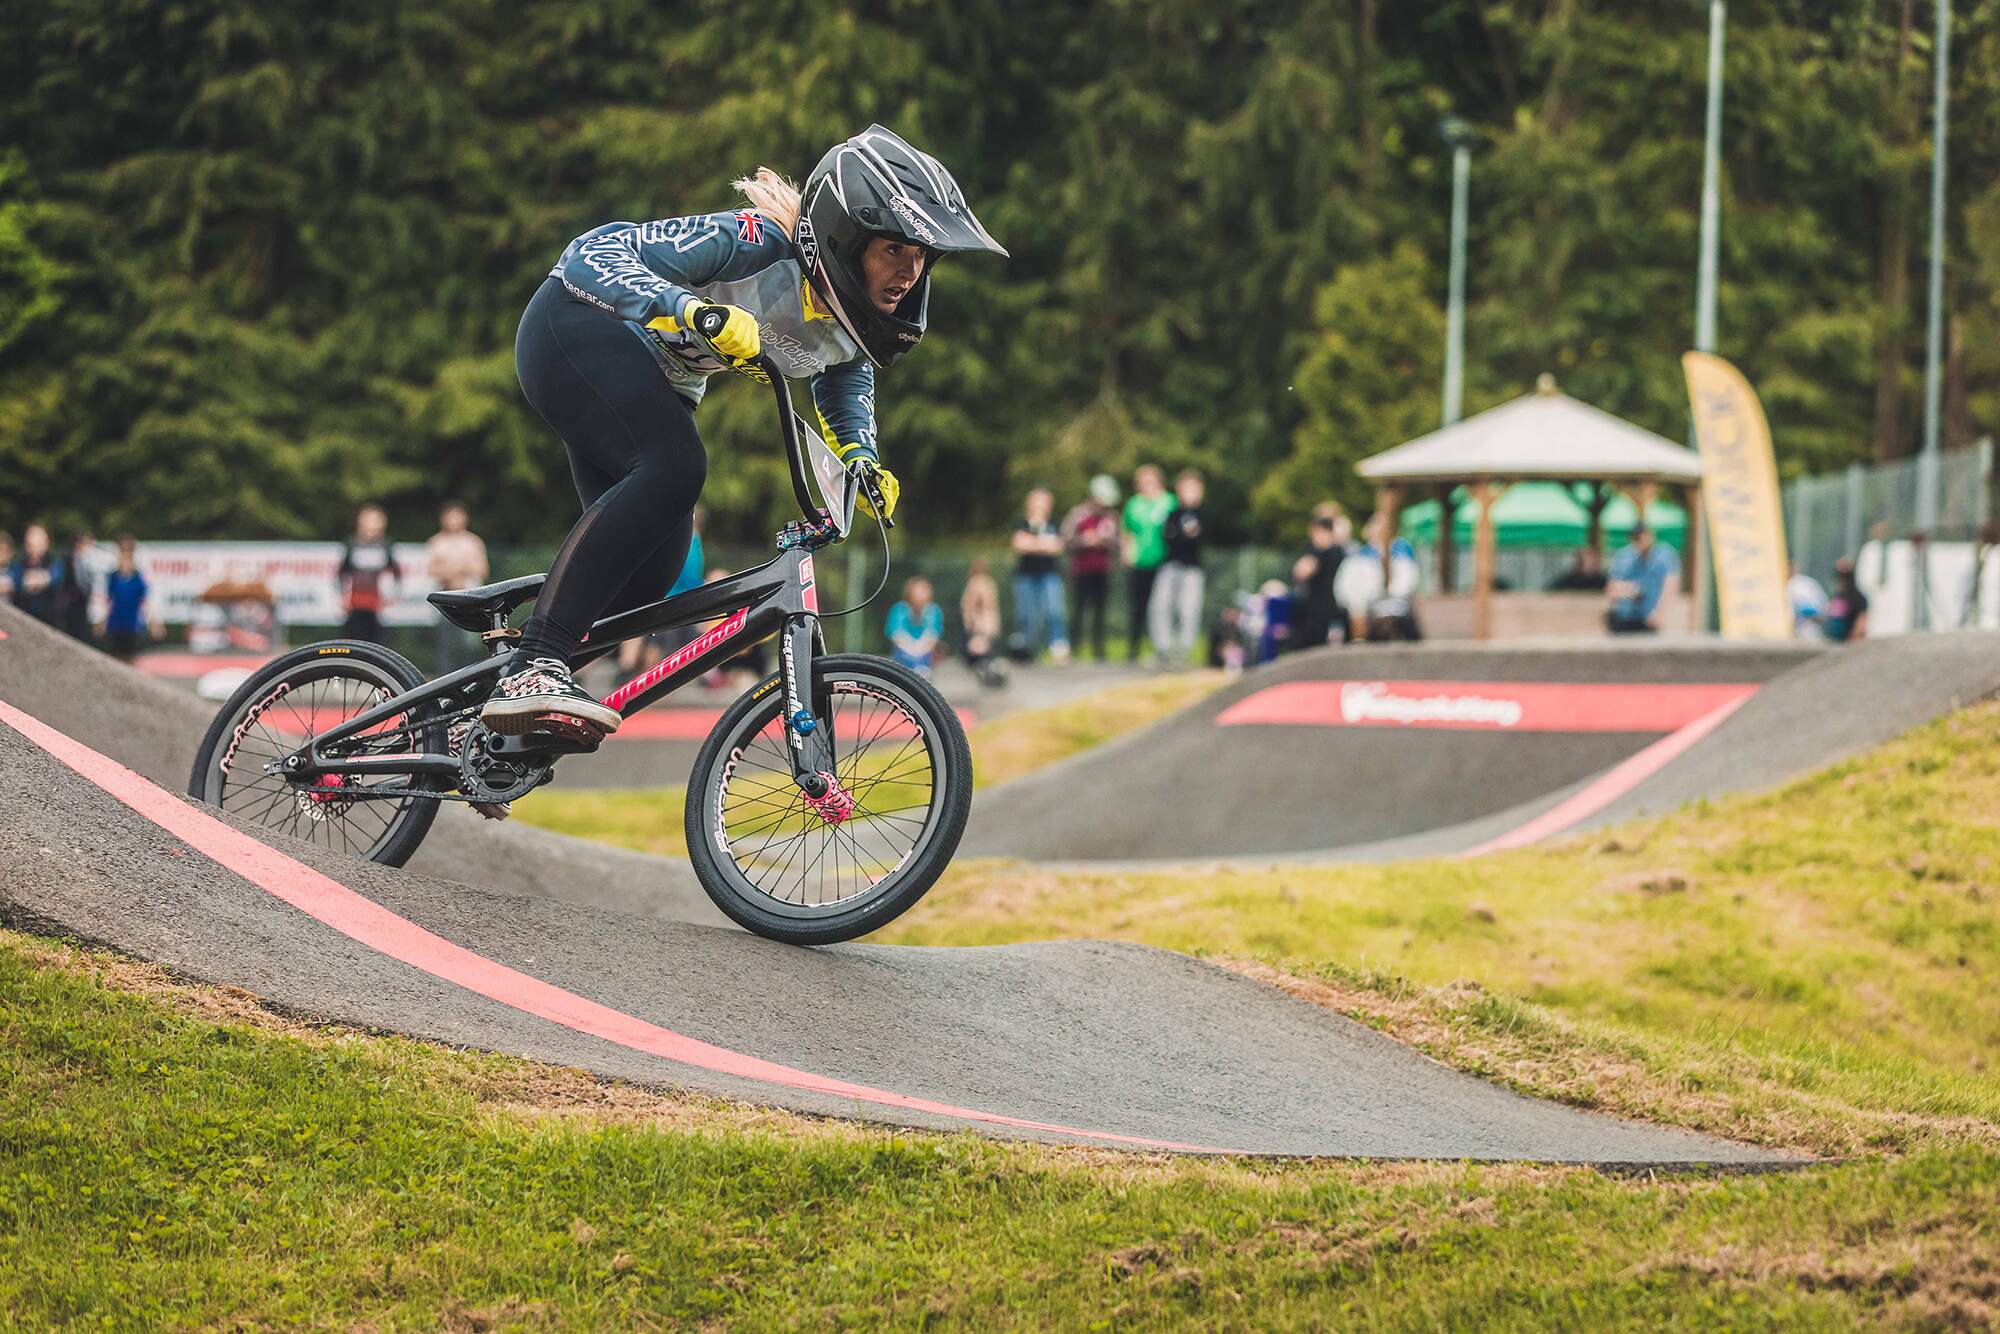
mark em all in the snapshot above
pixel 750 227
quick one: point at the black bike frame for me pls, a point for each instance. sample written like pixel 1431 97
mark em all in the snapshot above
pixel 778 597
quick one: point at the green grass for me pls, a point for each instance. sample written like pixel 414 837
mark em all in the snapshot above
pixel 650 819
pixel 172 1157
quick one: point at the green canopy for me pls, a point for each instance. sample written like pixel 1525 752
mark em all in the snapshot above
pixel 1544 514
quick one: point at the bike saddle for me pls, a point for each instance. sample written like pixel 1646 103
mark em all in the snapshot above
pixel 474 609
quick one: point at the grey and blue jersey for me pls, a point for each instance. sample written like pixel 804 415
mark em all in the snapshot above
pixel 643 271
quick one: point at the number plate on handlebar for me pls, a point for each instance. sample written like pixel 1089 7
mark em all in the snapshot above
pixel 829 477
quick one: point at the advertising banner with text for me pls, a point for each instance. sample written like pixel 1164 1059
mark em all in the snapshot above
pixel 303 577
pixel 1739 492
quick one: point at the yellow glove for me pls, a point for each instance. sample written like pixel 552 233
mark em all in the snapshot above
pixel 736 335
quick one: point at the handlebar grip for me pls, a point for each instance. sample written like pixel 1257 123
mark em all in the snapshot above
pixel 709 321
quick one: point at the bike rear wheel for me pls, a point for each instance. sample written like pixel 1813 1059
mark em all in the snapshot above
pixel 284 705
pixel 780 867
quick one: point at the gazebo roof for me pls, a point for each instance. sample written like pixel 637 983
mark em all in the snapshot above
pixel 1545 434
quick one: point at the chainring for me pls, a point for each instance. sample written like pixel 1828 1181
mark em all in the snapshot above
pixel 486 777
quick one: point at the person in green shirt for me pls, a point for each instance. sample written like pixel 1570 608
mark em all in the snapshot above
pixel 1143 547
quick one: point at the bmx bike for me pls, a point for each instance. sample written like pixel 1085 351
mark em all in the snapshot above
pixel 824 803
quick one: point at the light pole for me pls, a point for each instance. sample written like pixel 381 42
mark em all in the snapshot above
pixel 1460 136
pixel 1711 187
pixel 1934 335
pixel 1928 477
pixel 1705 274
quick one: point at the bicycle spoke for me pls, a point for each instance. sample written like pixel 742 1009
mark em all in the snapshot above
pixel 337 816
pixel 783 847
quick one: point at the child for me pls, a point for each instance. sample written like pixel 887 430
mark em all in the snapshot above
pixel 979 609
pixel 916 627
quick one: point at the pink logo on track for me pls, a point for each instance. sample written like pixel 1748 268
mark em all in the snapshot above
pixel 1485 706
pixel 676 660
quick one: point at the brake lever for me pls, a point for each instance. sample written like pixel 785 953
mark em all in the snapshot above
pixel 873 487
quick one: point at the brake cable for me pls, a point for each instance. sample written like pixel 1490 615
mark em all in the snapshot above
pixel 883 583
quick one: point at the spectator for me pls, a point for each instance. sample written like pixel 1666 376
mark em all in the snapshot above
pixel 1382 601
pixel 1226 647
pixel 75 588
pixel 1175 613
pixel 979 609
pixel 125 621
pixel 690 578
pixel 1275 616
pixel 916 627
pixel 456 558
pixel 1846 615
pixel 746 668
pixel 366 566
pixel 1808 600
pixel 1317 612
pixel 1143 547
pixel 1585 573
pixel 36 575
pixel 1643 582
pixel 6 566
pixel 1038 589
pixel 1090 531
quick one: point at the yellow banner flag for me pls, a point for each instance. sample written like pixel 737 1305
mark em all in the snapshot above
pixel 1739 491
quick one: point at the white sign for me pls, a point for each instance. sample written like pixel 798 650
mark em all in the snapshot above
pixel 1962 585
pixel 304 577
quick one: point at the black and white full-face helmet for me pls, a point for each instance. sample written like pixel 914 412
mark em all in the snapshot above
pixel 876 185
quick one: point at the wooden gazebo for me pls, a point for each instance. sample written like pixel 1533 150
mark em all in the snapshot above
pixel 1543 436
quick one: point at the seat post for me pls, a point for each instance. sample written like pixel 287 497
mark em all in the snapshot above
pixel 500 637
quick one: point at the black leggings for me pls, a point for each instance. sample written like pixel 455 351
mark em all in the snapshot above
pixel 1087 621
pixel 634 453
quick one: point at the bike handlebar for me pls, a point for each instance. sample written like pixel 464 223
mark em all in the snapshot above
pixel 795 455
pixel 708 322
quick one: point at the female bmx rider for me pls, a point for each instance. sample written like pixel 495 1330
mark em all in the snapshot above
pixel 833 283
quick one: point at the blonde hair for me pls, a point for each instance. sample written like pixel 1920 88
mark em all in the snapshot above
pixel 773 196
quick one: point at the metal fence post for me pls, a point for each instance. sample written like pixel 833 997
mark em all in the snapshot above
pixel 1802 539
pixel 1983 504
pixel 1920 547
pixel 851 628
pixel 1851 543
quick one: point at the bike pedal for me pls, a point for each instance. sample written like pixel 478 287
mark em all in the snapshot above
pixel 565 735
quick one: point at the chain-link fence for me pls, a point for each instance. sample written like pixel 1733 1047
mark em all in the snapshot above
pixel 1832 516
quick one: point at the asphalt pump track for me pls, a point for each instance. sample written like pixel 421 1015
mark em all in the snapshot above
pixel 1439 750
pixel 512 940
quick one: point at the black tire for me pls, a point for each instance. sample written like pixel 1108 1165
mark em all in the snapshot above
pixel 742 770
pixel 343 676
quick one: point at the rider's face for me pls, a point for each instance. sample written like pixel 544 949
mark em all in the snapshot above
pixel 890 268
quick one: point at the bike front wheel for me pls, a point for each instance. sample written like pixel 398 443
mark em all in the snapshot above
pixel 811 873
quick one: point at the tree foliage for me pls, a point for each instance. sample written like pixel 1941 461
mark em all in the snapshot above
pixel 261 260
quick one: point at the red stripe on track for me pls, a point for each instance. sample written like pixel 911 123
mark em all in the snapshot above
pixel 1482 706
pixel 363 920
pixel 1610 785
